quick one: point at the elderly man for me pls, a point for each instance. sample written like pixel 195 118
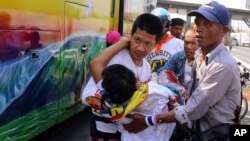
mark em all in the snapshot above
pixel 181 63
pixel 215 101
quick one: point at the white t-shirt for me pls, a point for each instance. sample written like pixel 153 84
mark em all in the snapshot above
pixel 168 49
pixel 155 103
pixel 143 73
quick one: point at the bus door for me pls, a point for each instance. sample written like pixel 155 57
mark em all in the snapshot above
pixel 85 26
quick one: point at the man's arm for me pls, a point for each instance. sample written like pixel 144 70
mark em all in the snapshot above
pixel 210 90
pixel 98 64
pixel 171 64
pixel 138 123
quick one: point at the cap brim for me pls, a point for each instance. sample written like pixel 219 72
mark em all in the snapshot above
pixel 204 13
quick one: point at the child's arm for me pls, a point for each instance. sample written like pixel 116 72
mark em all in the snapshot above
pixel 98 64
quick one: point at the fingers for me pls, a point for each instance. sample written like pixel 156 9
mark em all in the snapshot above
pixel 138 123
pixel 127 127
pixel 125 38
pixel 131 128
pixel 129 116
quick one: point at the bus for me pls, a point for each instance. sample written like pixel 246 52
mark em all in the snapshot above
pixel 45 50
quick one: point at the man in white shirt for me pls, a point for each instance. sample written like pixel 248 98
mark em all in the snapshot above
pixel 145 33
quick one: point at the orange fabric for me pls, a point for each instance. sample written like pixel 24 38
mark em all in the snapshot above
pixel 162 41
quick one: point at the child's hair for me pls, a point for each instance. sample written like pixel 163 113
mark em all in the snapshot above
pixel 119 83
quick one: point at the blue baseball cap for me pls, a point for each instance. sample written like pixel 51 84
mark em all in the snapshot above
pixel 214 12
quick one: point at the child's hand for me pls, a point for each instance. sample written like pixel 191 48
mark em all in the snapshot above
pixel 138 84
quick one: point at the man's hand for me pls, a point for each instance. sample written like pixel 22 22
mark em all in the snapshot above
pixel 124 42
pixel 138 123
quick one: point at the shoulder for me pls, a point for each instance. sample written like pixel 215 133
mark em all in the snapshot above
pixel 119 57
pixel 223 63
pixel 177 41
pixel 180 54
pixel 175 44
pixel 225 59
pixel 122 53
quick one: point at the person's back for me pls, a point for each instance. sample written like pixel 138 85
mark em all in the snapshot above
pixel 117 94
pixel 156 102
pixel 161 98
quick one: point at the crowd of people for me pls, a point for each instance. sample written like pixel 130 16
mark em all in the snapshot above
pixel 160 84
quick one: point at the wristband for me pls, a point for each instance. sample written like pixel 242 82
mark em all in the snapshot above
pixel 150 120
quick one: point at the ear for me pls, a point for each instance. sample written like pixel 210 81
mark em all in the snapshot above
pixel 225 30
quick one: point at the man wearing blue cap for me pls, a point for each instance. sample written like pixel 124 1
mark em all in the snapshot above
pixel 215 101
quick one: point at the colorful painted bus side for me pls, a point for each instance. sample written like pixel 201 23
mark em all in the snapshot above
pixel 45 50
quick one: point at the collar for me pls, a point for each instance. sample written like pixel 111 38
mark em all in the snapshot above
pixel 162 41
pixel 211 55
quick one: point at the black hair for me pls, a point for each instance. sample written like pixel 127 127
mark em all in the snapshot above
pixel 149 23
pixel 177 22
pixel 119 83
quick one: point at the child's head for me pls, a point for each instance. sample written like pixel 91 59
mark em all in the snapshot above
pixel 119 83
pixel 112 37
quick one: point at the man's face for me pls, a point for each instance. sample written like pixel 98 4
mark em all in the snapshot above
pixel 141 44
pixel 210 34
pixel 176 31
pixel 190 44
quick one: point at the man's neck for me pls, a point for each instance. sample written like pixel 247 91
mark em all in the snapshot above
pixel 165 35
pixel 138 63
pixel 190 61
pixel 206 50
